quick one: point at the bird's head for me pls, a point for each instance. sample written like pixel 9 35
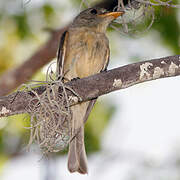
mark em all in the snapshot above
pixel 96 18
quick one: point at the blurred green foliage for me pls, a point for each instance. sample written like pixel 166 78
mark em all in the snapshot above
pixel 13 136
pixel 97 121
pixel 23 28
pixel 168 27
pixel 48 12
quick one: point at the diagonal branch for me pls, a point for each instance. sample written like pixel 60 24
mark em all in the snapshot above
pixel 99 84
pixel 11 79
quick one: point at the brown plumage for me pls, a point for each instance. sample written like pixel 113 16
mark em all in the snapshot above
pixel 83 51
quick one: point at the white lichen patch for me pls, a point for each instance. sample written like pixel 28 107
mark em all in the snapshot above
pixel 73 99
pixel 158 72
pixel 163 62
pixel 117 83
pixel 172 68
pixel 4 111
pixel 144 74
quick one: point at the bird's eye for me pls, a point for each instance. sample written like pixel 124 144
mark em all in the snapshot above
pixel 93 11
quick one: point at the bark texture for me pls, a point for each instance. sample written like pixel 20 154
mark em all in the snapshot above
pixel 94 86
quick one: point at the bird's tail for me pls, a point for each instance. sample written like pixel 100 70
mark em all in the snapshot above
pixel 77 160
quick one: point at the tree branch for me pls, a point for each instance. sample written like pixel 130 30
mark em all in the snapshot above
pixel 97 85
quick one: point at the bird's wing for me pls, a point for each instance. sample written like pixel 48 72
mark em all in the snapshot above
pixel 89 109
pixel 61 54
pixel 92 102
pixel 106 62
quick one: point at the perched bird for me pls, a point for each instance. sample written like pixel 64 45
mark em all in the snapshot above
pixel 83 51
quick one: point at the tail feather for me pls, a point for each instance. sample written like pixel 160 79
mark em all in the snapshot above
pixel 77 160
pixel 81 153
pixel 72 158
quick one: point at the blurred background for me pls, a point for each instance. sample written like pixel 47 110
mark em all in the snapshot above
pixel 132 133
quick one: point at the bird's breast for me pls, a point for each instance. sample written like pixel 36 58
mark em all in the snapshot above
pixel 86 53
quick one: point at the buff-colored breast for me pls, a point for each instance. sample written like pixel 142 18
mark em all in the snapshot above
pixel 88 53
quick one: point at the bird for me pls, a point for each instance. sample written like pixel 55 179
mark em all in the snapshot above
pixel 83 51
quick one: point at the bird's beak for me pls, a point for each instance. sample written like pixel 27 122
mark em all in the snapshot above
pixel 114 14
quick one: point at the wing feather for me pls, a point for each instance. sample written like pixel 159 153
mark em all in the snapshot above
pixel 61 54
